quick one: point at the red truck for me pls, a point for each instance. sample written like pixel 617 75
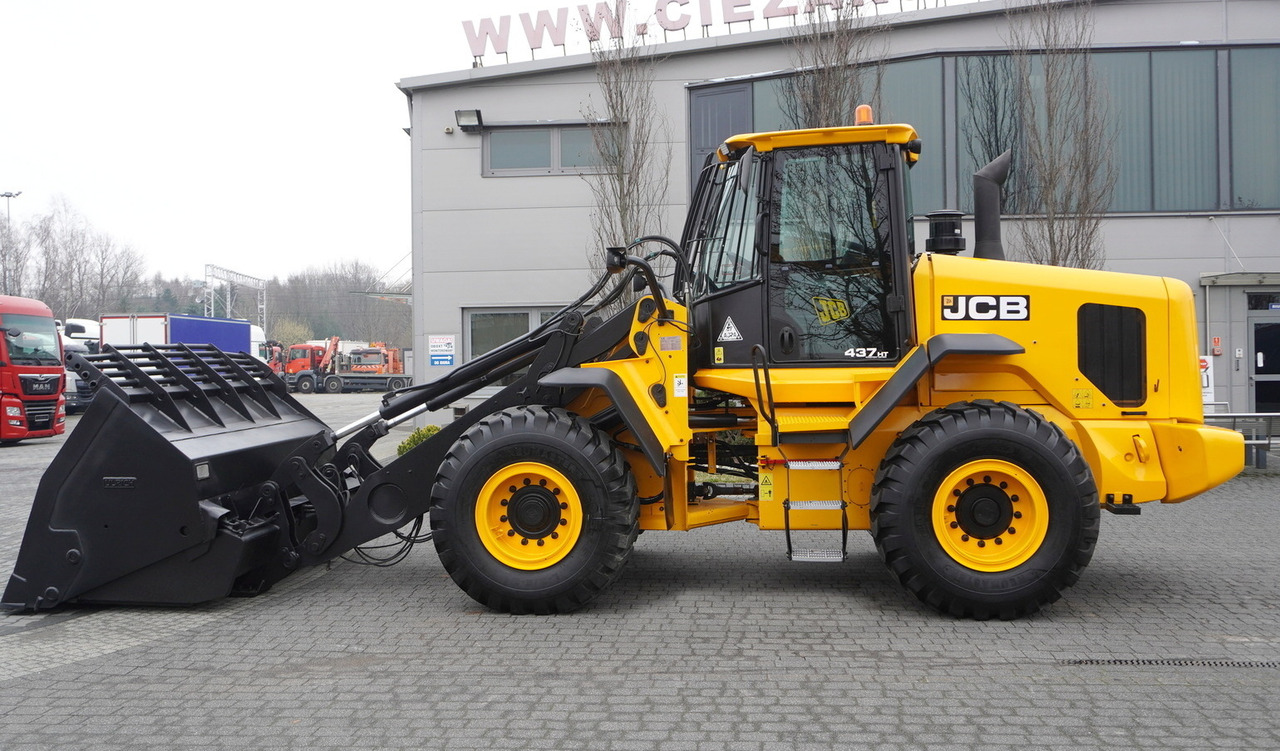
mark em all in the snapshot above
pixel 31 371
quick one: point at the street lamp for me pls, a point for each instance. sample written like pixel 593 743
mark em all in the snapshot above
pixel 6 196
pixel 8 232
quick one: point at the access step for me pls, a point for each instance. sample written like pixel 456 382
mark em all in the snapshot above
pixel 802 465
pixel 818 556
pixel 811 555
pixel 816 505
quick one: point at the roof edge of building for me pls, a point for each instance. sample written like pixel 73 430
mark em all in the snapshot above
pixel 693 46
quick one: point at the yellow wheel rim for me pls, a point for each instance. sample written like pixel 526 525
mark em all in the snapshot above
pixel 990 515
pixel 528 516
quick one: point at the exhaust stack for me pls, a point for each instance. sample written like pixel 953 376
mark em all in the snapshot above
pixel 986 207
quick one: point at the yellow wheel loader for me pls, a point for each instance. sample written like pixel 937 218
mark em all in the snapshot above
pixel 800 369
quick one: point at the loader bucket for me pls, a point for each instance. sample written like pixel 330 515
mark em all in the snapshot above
pixel 161 493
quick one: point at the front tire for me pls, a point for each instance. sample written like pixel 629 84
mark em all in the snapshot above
pixel 534 510
pixel 985 509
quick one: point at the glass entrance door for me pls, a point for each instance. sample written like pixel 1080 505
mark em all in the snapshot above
pixel 1265 364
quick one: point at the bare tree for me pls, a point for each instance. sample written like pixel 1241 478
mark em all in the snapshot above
pixel 76 270
pixel 1067 135
pixel 112 275
pixel 15 258
pixel 336 301
pixel 80 272
pixel 990 92
pixel 631 138
pixel 839 59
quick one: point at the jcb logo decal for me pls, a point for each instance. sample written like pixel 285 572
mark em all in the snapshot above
pixel 986 307
pixel 830 310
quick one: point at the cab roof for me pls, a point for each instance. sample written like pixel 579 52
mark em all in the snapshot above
pixel 785 139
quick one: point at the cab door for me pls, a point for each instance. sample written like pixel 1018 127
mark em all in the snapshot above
pixel 836 267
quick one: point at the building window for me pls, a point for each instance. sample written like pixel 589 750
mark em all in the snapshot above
pixel 1255 103
pixel 1126 77
pixel 911 92
pixel 1184 130
pixel 1264 301
pixel 545 150
pixel 488 328
pixel 1166 136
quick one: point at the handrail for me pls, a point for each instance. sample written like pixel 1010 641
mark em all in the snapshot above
pixel 767 409
pixel 1259 427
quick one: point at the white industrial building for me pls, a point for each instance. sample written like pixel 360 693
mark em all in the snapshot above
pixel 501 211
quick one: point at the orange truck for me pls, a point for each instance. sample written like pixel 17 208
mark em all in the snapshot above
pixel 333 369
pixel 31 371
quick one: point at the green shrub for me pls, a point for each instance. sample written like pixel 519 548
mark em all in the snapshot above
pixel 416 437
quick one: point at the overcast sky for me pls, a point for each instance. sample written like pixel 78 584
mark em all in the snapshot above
pixel 265 136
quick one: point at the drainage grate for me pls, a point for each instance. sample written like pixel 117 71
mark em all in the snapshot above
pixel 1177 662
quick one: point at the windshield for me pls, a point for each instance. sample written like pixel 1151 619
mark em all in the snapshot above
pixel 36 342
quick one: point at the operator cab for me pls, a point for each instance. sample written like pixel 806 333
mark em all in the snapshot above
pixel 799 243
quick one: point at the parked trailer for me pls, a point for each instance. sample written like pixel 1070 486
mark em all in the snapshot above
pixel 227 334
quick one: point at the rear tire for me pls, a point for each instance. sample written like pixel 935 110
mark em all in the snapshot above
pixel 333 385
pixel 534 511
pixel 395 384
pixel 985 509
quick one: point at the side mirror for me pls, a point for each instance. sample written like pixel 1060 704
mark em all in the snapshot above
pixel 745 164
pixel 74 328
pixel 11 332
pixel 615 260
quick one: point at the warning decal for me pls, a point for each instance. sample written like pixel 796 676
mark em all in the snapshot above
pixel 730 332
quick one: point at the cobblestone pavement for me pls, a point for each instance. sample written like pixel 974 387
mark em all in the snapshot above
pixel 710 640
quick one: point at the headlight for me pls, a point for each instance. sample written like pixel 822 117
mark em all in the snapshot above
pixel 13 411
